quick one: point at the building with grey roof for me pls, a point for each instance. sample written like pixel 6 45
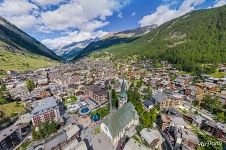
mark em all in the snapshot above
pixel 185 138
pixel 115 125
pixel 44 110
pixel 97 92
pixel 63 139
pixel 76 146
pixel 134 145
pixel 151 136
pixel 148 104
pixel 10 137
pixel 161 100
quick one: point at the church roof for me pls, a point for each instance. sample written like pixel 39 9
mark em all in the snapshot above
pixel 119 120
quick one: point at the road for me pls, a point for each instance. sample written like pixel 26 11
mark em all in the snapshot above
pixel 203 113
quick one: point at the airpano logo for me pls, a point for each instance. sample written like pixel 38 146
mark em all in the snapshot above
pixel 210 143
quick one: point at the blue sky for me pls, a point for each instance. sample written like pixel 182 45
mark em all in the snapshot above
pixel 59 22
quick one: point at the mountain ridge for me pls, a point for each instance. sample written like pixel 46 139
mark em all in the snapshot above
pixel 20 52
pixel 13 36
pixel 115 38
pixel 198 37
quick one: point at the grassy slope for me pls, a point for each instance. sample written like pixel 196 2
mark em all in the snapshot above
pixel 11 108
pixel 22 61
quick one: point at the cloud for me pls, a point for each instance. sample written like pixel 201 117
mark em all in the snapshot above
pixel 164 13
pixel 47 2
pixel 79 13
pixel 219 3
pixel 77 19
pixel 120 14
pixel 75 36
pixel 19 12
pixel 23 22
pixel 133 14
pixel 16 7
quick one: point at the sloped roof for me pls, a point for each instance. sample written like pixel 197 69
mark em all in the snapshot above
pixel 149 135
pixel 160 97
pixel 71 130
pixel 44 104
pixel 55 140
pixel 119 120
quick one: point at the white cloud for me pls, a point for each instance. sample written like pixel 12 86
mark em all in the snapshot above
pixel 219 3
pixel 16 7
pixel 77 19
pixel 72 37
pixel 23 22
pixel 164 13
pixel 78 13
pixel 120 15
pixel 19 12
pixel 133 14
pixel 47 2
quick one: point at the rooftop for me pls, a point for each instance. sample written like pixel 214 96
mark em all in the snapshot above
pixel 119 120
pixel 24 119
pixel 160 97
pixel 149 135
pixel 8 131
pixel 134 145
pixel 186 135
pixel 46 103
pixel 71 130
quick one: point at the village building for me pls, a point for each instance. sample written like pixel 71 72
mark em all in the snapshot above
pixel 194 92
pixel 148 104
pixel 96 92
pixel 185 139
pixel 163 101
pixel 152 137
pixel 167 121
pixel 45 110
pixel 10 137
pixel 24 122
pixel 217 129
pixel 134 145
pixel 18 92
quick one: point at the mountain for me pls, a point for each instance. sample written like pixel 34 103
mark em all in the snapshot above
pixel 196 38
pixel 116 38
pixel 71 50
pixel 19 51
pixel 14 37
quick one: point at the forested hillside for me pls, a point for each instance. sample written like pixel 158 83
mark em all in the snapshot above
pixel 196 38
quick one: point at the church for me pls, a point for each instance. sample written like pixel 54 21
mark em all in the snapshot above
pixel 115 125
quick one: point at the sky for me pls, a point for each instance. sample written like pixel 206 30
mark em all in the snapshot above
pixel 57 23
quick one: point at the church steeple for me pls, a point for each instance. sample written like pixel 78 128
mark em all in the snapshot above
pixel 123 95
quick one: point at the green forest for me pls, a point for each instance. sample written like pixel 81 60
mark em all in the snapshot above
pixel 189 41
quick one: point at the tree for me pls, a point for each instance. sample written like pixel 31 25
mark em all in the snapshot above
pixel 44 130
pixel 205 139
pixel 35 135
pixel 146 118
pixel 30 85
pixel 221 117
pixel 148 93
pixel 114 98
pixel 2 98
pixel 213 105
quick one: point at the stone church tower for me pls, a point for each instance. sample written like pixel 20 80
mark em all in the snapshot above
pixel 123 95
